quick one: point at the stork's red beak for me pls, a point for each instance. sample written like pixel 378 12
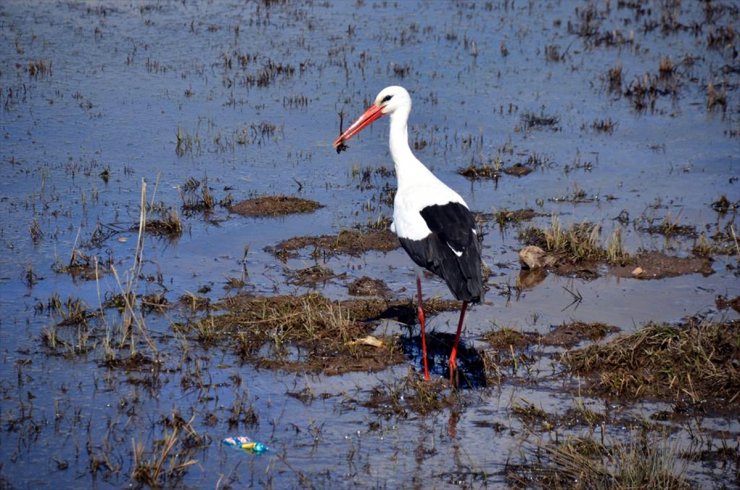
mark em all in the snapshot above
pixel 373 113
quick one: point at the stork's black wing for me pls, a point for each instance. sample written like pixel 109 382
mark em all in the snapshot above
pixel 452 250
pixel 453 223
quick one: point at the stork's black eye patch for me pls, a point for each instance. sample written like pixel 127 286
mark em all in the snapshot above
pixel 386 99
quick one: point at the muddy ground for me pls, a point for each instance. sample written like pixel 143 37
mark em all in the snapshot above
pixel 186 258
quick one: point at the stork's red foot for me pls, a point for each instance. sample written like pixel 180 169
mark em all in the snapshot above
pixel 454 377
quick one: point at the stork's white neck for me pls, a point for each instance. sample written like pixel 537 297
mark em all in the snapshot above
pixel 408 168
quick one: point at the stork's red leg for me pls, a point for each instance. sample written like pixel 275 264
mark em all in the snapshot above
pixel 420 311
pixel 453 354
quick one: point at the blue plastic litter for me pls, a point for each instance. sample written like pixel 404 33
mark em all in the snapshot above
pixel 246 444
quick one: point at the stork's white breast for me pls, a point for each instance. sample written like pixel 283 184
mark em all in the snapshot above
pixel 409 202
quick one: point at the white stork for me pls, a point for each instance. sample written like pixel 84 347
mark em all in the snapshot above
pixel 432 221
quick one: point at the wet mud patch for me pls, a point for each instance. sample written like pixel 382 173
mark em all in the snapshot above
pixel 533 416
pixel 518 170
pixel 507 339
pixel 724 303
pixel 350 242
pixel 586 270
pixel 353 356
pixel 485 171
pixel 695 363
pixel 493 169
pixel 541 121
pixel 160 220
pixel 565 335
pixel 367 286
pixel 718 455
pixel 403 310
pixel 506 217
pixel 515 353
pixel 312 276
pixel 657 265
pixel 268 206
pixel 571 334
pixel 154 303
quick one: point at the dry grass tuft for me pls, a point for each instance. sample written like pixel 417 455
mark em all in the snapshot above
pixel 584 463
pixel 614 77
pixel 667 67
pixel 323 331
pixel 194 201
pixel 697 362
pixel 38 68
pixel 579 243
pixel 604 125
pixel 716 97
pixel 577 251
pixel 161 465
pixel 169 225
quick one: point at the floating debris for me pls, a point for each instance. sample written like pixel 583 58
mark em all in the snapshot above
pixel 246 444
pixel 368 340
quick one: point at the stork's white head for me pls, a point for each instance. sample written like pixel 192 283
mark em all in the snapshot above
pixel 394 101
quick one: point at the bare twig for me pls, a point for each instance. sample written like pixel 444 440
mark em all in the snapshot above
pixel 577 298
